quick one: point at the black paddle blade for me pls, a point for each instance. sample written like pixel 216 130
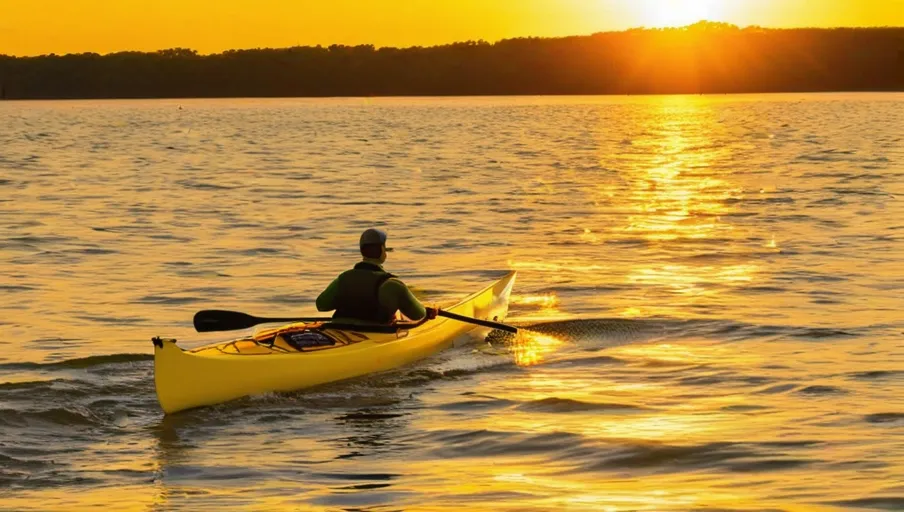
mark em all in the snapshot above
pixel 213 320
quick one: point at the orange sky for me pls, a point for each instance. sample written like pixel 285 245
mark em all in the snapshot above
pixel 63 26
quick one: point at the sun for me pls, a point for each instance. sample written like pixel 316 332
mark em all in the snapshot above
pixel 678 13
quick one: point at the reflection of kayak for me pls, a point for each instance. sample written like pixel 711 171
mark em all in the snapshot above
pixel 291 357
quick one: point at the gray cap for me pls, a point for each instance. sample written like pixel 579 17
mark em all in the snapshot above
pixel 373 236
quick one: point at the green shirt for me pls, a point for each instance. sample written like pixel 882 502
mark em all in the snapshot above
pixel 393 295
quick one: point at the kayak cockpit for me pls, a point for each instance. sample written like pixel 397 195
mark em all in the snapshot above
pixel 299 337
pixel 289 339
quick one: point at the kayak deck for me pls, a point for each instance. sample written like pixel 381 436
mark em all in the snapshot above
pixel 266 362
pixel 273 341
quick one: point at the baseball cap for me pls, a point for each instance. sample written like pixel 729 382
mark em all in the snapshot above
pixel 374 236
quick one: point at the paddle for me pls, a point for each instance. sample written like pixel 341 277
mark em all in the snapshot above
pixel 216 320
pixel 475 321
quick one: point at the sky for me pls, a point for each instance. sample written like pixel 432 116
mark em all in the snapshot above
pixel 38 27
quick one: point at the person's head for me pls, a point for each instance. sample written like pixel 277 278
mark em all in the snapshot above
pixel 373 245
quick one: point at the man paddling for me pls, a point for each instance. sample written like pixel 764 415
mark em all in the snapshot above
pixel 367 293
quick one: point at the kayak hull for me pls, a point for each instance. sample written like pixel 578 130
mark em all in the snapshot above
pixel 226 371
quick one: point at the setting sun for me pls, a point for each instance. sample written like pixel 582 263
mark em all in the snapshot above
pixel 676 13
pixel 62 26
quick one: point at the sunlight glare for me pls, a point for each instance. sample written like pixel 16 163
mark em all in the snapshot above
pixel 544 300
pixel 529 348
pixel 678 13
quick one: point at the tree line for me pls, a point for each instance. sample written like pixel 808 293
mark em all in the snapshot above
pixel 703 58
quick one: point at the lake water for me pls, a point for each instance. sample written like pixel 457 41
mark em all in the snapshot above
pixel 714 284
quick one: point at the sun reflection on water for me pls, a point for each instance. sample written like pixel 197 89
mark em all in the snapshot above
pixel 694 280
pixel 544 300
pixel 678 193
pixel 564 266
pixel 677 189
pixel 529 348
pixel 537 306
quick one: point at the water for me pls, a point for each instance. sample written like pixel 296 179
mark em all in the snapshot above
pixel 713 286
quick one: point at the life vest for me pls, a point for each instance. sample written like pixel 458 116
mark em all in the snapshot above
pixel 358 296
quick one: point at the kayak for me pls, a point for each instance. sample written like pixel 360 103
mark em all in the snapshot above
pixel 271 360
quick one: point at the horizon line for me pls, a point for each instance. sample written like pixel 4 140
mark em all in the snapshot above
pixel 493 42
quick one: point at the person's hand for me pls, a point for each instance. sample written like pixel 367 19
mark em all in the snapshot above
pixel 431 313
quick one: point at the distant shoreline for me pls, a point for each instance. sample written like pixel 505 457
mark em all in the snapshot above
pixel 446 96
pixel 705 58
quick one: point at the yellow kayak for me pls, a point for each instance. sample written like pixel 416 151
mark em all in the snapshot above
pixel 267 361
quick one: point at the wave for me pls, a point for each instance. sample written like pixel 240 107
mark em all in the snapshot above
pixel 67 416
pixel 81 362
pixel 878 503
pixel 819 390
pixel 666 458
pixel 560 405
pixel 622 329
pixel 480 443
pixel 543 405
pixel 877 374
pixel 580 454
pixel 610 329
pixel 28 385
pixel 886 417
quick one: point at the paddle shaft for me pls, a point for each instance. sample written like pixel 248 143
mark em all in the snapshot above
pixel 211 321
pixel 290 320
pixel 475 321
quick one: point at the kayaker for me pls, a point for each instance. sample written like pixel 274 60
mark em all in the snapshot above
pixel 367 293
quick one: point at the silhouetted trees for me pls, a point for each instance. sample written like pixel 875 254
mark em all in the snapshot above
pixel 703 58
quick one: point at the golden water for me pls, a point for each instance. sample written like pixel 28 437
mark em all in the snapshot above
pixel 713 284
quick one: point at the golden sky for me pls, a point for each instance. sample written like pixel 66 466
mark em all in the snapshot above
pixel 67 26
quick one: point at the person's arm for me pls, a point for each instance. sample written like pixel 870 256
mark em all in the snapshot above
pixel 327 299
pixel 397 294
